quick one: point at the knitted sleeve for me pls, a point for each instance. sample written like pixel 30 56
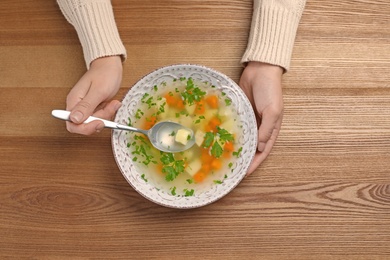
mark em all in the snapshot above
pixel 95 25
pixel 273 30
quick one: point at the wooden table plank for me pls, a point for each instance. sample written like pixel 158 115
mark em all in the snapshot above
pixel 323 193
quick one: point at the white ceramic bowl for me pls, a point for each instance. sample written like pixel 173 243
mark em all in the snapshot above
pixel 247 140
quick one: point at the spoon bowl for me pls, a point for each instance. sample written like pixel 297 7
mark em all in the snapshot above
pixel 163 135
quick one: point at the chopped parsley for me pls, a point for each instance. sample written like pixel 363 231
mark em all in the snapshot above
pixel 208 139
pixel 192 93
pixel 224 135
pixel 216 150
pixel 189 193
pixel 143 150
pixel 215 140
pixel 139 114
pixel 171 167
pixel 144 178
pixel 197 121
pixel 237 154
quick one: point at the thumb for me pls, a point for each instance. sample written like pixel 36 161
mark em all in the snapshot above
pixel 81 111
pixel 265 131
pixel 85 106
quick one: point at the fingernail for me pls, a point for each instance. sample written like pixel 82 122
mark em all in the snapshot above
pixel 261 146
pixel 77 117
pixel 99 128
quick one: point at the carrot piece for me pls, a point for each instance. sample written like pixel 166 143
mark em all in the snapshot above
pixel 174 100
pixel 200 107
pixel 212 101
pixel 208 128
pixel 228 147
pixel 159 168
pixel 206 168
pixel 205 157
pixel 199 176
pixel 214 122
pixel 170 99
pixel 149 122
pixel 179 103
pixel 226 154
pixel 216 164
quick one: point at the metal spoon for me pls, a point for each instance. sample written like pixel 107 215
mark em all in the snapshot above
pixel 162 135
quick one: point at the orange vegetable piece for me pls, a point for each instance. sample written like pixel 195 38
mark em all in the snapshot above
pixel 200 107
pixel 228 147
pixel 170 99
pixel 216 164
pixel 179 103
pixel 208 128
pixel 159 168
pixel 205 157
pixel 226 154
pixel 206 167
pixel 174 100
pixel 150 122
pixel 213 123
pixel 199 176
pixel 212 101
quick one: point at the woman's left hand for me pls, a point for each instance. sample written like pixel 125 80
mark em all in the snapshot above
pixel 262 83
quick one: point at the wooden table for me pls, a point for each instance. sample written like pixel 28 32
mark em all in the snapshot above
pixel 324 192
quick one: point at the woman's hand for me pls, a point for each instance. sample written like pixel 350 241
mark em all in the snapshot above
pixel 262 83
pixel 91 95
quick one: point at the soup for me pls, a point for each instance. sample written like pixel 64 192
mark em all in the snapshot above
pixel 209 113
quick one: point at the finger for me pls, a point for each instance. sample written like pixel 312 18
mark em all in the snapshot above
pixel 257 160
pixel 108 112
pixel 87 105
pixel 266 129
pixel 86 129
pixel 95 126
pixel 260 156
pixel 78 92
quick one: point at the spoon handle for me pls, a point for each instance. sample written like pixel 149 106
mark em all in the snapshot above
pixel 64 115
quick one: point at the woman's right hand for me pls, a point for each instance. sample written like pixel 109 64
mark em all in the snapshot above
pixel 92 93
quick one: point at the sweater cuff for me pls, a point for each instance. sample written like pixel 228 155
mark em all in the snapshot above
pixel 272 35
pixel 96 28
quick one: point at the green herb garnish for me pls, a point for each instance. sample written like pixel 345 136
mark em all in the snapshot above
pixel 171 167
pixel 188 193
pixel 139 114
pixel 208 139
pixel 216 150
pixel 144 178
pixel 237 154
pixel 224 135
pixel 192 93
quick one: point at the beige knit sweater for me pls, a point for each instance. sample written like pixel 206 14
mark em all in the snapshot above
pixel 271 40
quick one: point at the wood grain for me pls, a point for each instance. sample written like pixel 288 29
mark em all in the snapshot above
pixel 323 193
